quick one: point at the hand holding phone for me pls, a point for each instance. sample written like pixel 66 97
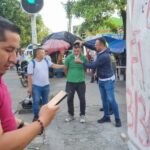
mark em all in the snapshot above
pixel 57 99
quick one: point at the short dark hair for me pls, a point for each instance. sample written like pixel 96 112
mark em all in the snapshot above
pixel 35 51
pixel 77 45
pixel 102 40
pixel 7 25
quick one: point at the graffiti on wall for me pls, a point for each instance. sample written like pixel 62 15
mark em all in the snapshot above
pixel 138 73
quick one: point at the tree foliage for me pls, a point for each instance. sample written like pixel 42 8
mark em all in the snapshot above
pixel 68 6
pixel 121 6
pixel 96 13
pixel 11 9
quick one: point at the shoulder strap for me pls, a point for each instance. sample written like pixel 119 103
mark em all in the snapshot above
pixel 46 62
pixel 33 61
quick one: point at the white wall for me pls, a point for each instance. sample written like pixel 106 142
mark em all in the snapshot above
pixel 138 74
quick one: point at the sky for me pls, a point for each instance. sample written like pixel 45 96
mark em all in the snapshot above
pixel 54 15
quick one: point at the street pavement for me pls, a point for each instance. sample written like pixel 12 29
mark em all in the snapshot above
pixel 74 135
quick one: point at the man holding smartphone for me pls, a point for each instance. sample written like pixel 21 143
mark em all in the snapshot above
pixel 75 82
pixel 14 133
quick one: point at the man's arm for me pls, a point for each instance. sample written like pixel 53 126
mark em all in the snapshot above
pixel 30 71
pixel 30 84
pixel 20 138
pixel 97 63
pixel 1 130
pixel 92 65
pixel 65 70
pixel 66 65
pixel 56 66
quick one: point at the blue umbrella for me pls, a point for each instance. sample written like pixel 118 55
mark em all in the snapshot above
pixel 115 45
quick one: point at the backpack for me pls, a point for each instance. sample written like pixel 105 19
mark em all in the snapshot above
pixel 33 61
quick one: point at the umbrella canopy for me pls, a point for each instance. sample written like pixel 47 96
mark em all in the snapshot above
pixel 65 36
pixel 115 45
pixel 53 45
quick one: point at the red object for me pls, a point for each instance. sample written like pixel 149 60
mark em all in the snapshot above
pixel 7 119
pixel 89 57
pixel 54 45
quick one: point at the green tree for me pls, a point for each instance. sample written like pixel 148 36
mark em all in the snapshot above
pixel 68 6
pixel 113 24
pixel 97 13
pixel 42 30
pixel 121 6
pixel 11 10
pixel 93 12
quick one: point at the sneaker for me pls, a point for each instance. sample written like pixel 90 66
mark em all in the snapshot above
pixel 69 118
pixel 104 119
pixel 118 122
pixel 82 119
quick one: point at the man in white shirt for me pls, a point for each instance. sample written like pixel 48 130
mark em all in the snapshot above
pixel 38 79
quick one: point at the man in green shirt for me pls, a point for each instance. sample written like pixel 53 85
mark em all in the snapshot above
pixel 75 82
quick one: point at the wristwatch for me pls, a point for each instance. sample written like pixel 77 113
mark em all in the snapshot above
pixel 21 124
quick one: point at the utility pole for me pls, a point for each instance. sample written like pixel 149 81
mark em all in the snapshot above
pixel 33 29
pixel 32 7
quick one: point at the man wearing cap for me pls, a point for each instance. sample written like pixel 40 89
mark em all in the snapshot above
pixel 75 82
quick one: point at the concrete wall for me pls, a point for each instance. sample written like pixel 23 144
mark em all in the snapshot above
pixel 138 74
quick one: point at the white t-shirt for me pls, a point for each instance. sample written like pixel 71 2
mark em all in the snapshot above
pixel 48 57
pixel 40 74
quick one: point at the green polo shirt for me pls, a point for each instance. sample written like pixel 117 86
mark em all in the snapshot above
pixel 76 72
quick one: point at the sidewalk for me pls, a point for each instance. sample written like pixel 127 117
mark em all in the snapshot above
pixel 75 136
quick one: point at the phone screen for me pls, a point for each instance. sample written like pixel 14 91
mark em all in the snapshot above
pixel 57 99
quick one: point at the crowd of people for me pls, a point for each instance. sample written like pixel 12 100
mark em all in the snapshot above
pixel 75 66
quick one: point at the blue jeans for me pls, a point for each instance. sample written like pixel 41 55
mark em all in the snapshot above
pixel 40 96
pixel 108 96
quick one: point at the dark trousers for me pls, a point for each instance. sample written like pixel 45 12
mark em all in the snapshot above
pixel 80 88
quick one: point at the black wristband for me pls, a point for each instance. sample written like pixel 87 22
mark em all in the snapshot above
pixel 21 124
pixel 42 126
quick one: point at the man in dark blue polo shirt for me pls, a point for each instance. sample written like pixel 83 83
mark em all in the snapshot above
pixel 106 80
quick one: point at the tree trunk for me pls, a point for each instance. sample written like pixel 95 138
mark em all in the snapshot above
pixel 123 55
pixel 124 17
pixel 69 24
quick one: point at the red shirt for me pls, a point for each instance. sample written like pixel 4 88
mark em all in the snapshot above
pixel 7 118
